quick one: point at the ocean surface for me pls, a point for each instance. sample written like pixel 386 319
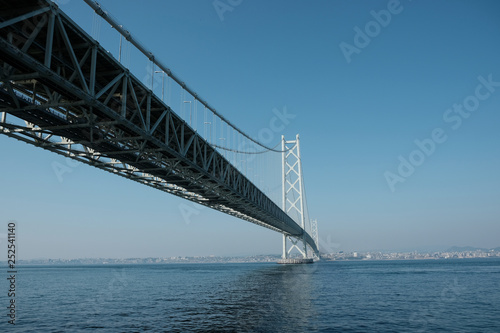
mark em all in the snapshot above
pixel 350 296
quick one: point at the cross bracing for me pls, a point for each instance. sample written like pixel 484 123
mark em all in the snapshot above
pixel 61 91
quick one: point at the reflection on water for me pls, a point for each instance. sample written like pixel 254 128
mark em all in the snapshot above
pixel 274 299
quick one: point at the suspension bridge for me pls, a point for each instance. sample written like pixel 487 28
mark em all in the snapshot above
pixel 62 91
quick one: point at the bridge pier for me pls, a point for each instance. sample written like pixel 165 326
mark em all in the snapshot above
pixel 296 261
pixel 285 253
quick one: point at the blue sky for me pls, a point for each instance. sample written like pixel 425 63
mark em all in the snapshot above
pixel 357 119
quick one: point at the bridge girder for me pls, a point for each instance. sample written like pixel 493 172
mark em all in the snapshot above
pixel 65 93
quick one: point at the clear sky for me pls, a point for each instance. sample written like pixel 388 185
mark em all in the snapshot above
pixel 398 111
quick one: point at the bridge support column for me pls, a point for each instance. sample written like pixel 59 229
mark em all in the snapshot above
pixel 285 253
pixel 293 194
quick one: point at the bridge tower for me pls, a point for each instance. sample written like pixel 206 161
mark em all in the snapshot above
pixel 294 200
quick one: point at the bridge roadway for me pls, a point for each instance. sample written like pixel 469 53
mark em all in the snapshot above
pixel 61 91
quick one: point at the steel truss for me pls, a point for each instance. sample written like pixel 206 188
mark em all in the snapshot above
pixel 294 202
pixel 61 91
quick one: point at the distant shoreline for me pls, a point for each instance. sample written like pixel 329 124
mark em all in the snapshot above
pixel 339 256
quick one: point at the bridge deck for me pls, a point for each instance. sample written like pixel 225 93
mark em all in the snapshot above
pixel 75 99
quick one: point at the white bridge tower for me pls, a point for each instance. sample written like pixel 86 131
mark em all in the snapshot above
pixel 294 202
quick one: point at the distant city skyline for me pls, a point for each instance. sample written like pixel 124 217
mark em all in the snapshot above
pixel 452 253
pixel 396 104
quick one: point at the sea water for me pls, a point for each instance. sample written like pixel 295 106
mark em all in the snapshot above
pixel 336 296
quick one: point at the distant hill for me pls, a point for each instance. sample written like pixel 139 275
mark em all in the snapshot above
pixel 466 248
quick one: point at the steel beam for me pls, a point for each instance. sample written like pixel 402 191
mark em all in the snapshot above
pixel 98 119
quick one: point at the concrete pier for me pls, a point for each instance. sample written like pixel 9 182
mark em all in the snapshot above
pixel 295 261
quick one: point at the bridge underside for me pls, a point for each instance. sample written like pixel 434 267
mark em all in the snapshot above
pixel 61 91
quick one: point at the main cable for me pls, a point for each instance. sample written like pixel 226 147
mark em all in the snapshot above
pixel 250 152
pixel 128 36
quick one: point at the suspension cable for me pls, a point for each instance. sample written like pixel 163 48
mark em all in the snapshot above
pixel 249 152
pixel 128 36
